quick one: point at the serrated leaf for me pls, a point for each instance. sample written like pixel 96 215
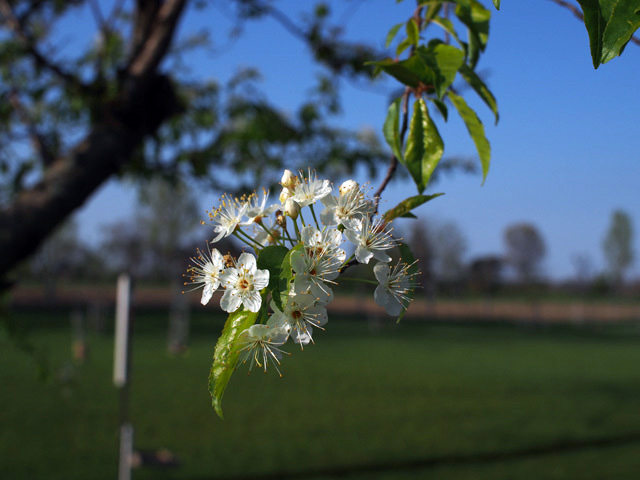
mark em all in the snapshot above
pixel 447 26
pixel 480 88
pixel 226 355
pixel 476 18
pixel 610 25
pixel 424 146
pixel 404 71
pixel 442 63
pixel 392 34
pixel 441 106
pixel 402 46
pixel 391 130
pixel 404 208
pixel 270 258
pixel 476 130
pixel 413 32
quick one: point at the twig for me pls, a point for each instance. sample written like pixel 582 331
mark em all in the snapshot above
pixel 29 44
pixel 393 163
pixel 37 139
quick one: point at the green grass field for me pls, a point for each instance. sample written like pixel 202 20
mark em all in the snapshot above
pixel 415 400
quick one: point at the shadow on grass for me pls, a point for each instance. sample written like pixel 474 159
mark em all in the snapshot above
pixel 569 446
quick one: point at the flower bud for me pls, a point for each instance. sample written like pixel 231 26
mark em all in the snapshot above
pixel 273 237
pixel 285 194
pixel 289 179
pixel 291 208
pixel 281 220
pixel 347 186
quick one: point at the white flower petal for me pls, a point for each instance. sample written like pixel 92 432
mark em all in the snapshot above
pixel 260 279
pixel 247 262
pixel 363 255
pixel 207 293
pixel 252 301
pixel 230 301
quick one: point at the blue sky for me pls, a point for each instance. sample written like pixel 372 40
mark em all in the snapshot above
pixel 564 155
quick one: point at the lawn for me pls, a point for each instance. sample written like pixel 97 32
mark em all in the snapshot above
pixel 415 400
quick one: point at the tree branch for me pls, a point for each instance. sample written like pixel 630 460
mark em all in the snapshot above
pixel 143 102
pixel 156 44
pixel 37 139
pixel 29 45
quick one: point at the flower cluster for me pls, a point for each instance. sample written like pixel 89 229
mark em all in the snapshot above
pixel 313 256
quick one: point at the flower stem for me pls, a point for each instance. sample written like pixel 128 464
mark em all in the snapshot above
pixel 239 231
pixel 361 280
pixel 313 212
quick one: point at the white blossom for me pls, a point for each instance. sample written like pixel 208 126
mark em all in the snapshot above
pixel 396 287
pixel 347 209
pixel 309 190
pixel 299 315
pixel 256 208
pixel 243 284
pixel 228 216
pixel 318 262
pixel 371 240
pixel 206 273
pixel 260 344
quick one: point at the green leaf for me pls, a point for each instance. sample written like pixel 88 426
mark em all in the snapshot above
pixel 424 146
pixel 447 26
pixel 286 274
pixel 442 62
pixel 480 88
pixel 435 66
pixel 402 46
pixel 610 25
pixel 476 18
pixel 270 258
pixel 404 71
pixel 476 130
pixel 496 3
pixel 391 130
pixel 404 208
pixel 226 354
pixel 413 32
pixel 392 34
pixel 441 106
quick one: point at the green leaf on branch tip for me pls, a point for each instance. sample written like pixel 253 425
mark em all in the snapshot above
pixel 391 130
pixel 473 14
pixel 392 34
pixel 476 130
pixel 480 88
pixel 424 146
pixel 226 354
pixel 270 258
pixel 404 208
pixel 413 32
pixel 610 25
